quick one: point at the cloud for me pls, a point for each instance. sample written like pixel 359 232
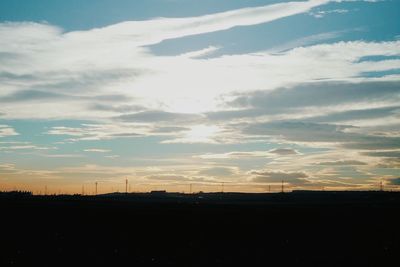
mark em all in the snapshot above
pixel 371 142
pixel 394 181
pixel 124 134
pixel 389 163
pixel 61 130
pixel 62 155
pixel 172 81
pixel 218 171
pixel 359 107
pixel 251 154
pixel 284 151
pixel 140 33
pixel 167 130
pixel 116 108
pixel 6 130
pixel 342 163
pixel 368 1
pixel 7 167
pixel 41 61
pixel 168 177
pixel 317 94
pixel 112 156
pixel 269 176
pixel 97 150
pixel 31 95
pixel 158 116
pixel 198 133
pixel 321 13
pixel 357 114
pixel 235 155
pixel 302 131
pixel 309 133
pixel 25 147
pixel 179 178
pixel 34 95
pixel 385 153
pixel 96 131
pixel 200 53
pixel 168 28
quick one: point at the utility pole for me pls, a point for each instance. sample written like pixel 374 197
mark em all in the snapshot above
pixel 381 186
pixel 95 189
pixel 222 187
pixel 269 188
pixel 126 186
pixel 283 187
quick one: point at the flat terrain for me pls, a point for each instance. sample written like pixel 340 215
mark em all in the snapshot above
pixel 291 229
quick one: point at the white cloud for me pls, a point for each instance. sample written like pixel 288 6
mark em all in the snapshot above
pixel 97 150
pixel 74 71
pixel 200 53
pixel 197 134
pixel 25 147
pixel 273 153
pixel 322 13
pixel 6 130
pixel 157 30
pixel 235 155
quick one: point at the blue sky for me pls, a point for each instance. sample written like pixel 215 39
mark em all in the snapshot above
pixel 169 93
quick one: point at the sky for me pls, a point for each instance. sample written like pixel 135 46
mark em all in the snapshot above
pixel 172 93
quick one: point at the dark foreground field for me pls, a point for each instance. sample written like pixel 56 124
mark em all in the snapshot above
pixel 293 229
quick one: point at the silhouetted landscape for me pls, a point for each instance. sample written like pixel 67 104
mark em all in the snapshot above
pixel 302 228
